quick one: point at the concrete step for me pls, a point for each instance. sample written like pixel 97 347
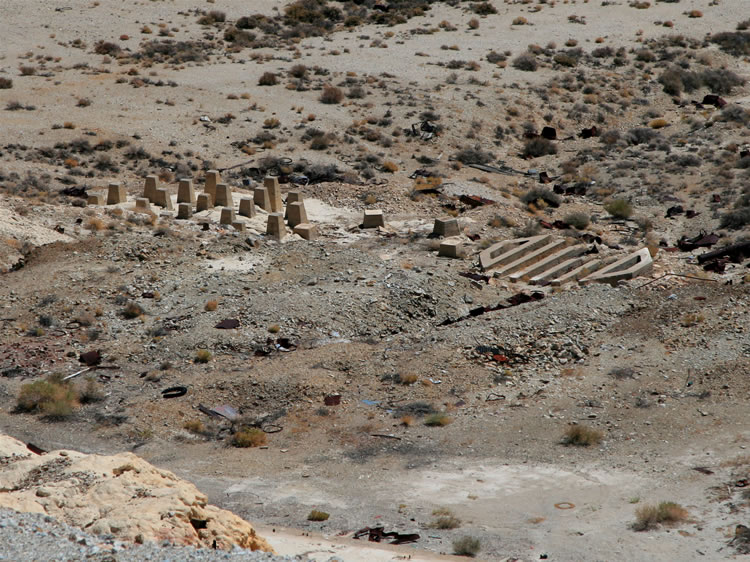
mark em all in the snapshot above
pixel 629 267
pixel 544 264
pixel 556 271
pixel 579 272
pixel 527 259
pixel 510 250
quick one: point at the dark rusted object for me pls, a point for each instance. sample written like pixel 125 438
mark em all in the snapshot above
pixel 475 276
pixel 703 240
pixel 174 392
pixel 558 224
pixel 90 358
pixel 34 449
pixel 475 200
pixel 713 99
pixel 579 188
pixel 588 133
pixel 549 133
pixel 228 324
pixel 74 192
pixel 515 300
pixel 674 211
pixel 332 400
pixel 376 534
pixel 736 253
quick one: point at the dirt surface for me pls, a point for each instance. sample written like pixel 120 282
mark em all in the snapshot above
pixel 656 367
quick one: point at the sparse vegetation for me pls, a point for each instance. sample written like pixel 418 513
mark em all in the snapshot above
pixel 52 397
pixel 316 515
pixel 619 209
pixel 202 356
pixel 650 516
pixel 582 436
pixel 445 519
pixel 438 419
pixel 331 95
pixel 467 546
pixel 249 437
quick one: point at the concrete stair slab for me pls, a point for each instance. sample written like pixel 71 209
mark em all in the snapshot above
pixel 544 264
pixel 530 258
pixel 510 250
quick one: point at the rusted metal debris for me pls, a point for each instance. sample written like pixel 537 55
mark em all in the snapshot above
pixel 376 534
pixel 283 345
pixel 90 358
pixel 228 324
pixel 702 240
pixel 589 132
pixel 332 400
pixel 475 201
pixel 475 276
pixel 735 252
pixel 34 449
pixel 549 133
pixel 713 99
pixel 578 188
pixel 515 300
pixel 225 411
pixel 558 224
pixel 703 470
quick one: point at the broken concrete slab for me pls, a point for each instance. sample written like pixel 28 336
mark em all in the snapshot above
pixel 204 202
pixel 212 180
pixel 186 192
pixel 247 207
pixel 261 198
pixel 116 194
pixel 149 189
pixel 227 216
pixel 96 199
pixel 275 226
pixel 446 227
pixel 184 211
pixel 307 231
pixel 373 219
pixel 510 250
pixel 274 194
pixel 223 196
pixel 451 249
pixel 162 198
pixel 297 213
pixel 630 266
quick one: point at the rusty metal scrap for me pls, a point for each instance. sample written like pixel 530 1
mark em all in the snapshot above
pixel 735 252
pixel 702 240
pixel 377 534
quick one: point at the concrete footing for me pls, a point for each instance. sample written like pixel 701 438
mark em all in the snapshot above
pixel 223 196
pixel 204 202
pixel 373 219
pixel 212 180
pixel 451 249
pixel 296 213
pixel 446 227
pixel 227 215
pixel 307 231
pixel 186 192
pixel 184 210
pixel 261 199
pixel 149 188
pixel 275 226
pixel 96 199
pixel 162 198
pixel 247 207
pixel 116 194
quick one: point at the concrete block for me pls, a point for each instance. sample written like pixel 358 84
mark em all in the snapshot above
pixel 149 189
pixel 239 226
pixel 186 192
pixel 546 263
pixel 629 267
pixel 142 203
pixel 275 226
pixel 274 193
pixel 307 231
pixel 212 180
pixel 446 227
pixel 373 219
pixel 95 199
pixel 223 196
pixel 162 198
pixel 510 250
pixel 116 194
pixel 247 207
pixel 184 210
pixel 451 249
pixel 292 197
pixel 260 197
pixel 204 202
pixel 227 215
pixel 297 213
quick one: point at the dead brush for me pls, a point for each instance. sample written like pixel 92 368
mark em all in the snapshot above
pixel 649 517
pixel 316 515
pixel 438 419
pixel 249 437
pixel 582 436
pixel 444 519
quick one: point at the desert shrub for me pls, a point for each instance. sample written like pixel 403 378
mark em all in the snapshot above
pixel 526 62
pixel 495 57
pixel 735 219
pixel 407 378
pixel 582 436
pixel 316 515
pixel 356 93
pixel 602 52
pixel 331 95
pixel 268 79
pixel 5 83
pixel 298 71
pixel 535 194
pixel 91 392
pixel 27 70
pixel 175 52
pixel 195 426
pixel 52 397
pixel 132 310
pixel 474 155
pixel 538 146
pixel 202 356
pixel 734 113
pixel 483 8
pixel 107 48
pixel 249 437
pixel 438 420
pixel 640 135
pixel 721 80
pixel 735 43
pixel 467 546
pixel 212 17
pixel 579 220
pixel 239 37
pixel 619 208
pixel 651 516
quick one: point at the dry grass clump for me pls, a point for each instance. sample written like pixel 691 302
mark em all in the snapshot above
pixel 6 83
pixel 202 356
pixel 578 220
pixel 538 146
pixel 316 515
pixel 268 79
pixel 582 436
pixel 195 426
pixel 211 305
pixel 390 166
pixel 535 195
pixel 52 397
pixel 407 378
pixel 132 310
pixel 526 62
pixel 249 437
pixel 91 392
pixel 445 519
pixel 438 419
pixel 212 17
pixel 467 546
pixel 651 516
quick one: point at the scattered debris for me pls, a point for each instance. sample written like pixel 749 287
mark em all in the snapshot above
pixel 475 201
pixel 702 240
pixel 703 470
pixel 228 324
pixel 376 534
pixel 332 400
pixel 587 133
pixel 515 300
pixel 735 252
pixel 227 412
pixel 564 505
pixel 174 392
pixel 90 358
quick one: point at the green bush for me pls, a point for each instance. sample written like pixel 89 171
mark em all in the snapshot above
pixel 316 515
pixel 467 546
pixel 538 146
pixel 52 397
pixel 619 208
pixel 535 194
pixel 579 220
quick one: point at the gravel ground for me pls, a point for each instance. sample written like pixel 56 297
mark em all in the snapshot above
pixel 26 537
